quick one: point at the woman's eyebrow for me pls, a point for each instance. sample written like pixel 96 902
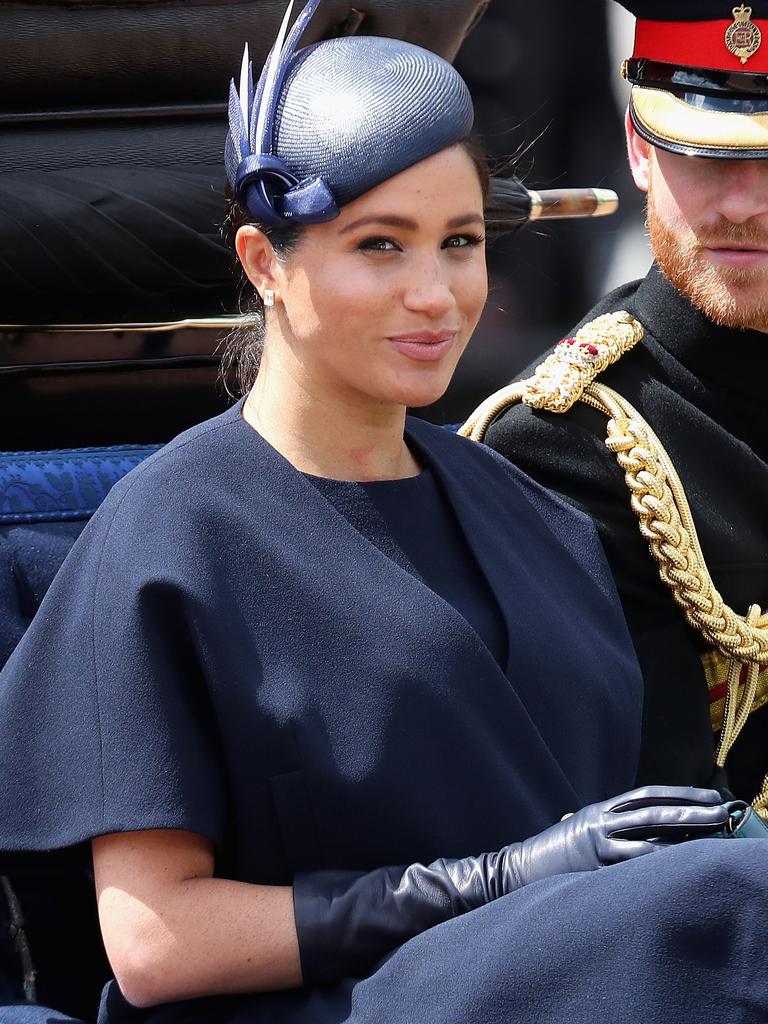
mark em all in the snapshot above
pixel 406 224
pixel 468 218
pixel 389 220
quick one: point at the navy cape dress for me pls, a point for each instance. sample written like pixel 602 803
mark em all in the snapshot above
pixel 221 637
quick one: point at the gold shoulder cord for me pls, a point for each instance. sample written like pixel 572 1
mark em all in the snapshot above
pixel 658 500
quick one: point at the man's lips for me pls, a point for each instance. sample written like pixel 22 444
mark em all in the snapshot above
pixel 736 253
pixel 424 346
pixel 737 247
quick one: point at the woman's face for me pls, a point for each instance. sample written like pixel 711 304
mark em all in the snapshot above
pixel 379 304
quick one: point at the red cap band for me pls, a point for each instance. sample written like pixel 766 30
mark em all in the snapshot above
pixel 697 44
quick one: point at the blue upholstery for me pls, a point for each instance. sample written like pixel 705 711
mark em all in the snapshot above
pixel 45 499
pixel 48 487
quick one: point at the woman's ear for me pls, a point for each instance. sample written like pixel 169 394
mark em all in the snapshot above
pixel 639 154
pixel 255 252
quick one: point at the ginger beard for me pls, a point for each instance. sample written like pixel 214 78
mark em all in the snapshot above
pixel 731 296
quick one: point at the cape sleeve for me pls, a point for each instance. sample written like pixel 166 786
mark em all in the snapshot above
pixel 105 717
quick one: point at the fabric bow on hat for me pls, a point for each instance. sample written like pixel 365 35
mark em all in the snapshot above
pixel 261 181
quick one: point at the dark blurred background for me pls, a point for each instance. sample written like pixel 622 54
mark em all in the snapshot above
pixel 106 180
pixel 548 93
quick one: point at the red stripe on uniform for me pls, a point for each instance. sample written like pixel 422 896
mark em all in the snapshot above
pixel 718 692
pixel 697 44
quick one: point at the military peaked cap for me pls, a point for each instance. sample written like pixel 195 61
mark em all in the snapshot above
pixel 699 75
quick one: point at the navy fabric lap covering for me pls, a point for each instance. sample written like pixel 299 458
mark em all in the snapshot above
pixel 671 936
pixel 674 936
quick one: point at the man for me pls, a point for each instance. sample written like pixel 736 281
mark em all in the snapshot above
pixel 697 134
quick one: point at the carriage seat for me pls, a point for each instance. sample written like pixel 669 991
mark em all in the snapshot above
pixel 45 500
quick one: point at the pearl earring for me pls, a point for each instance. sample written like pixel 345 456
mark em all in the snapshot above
pixel 269 297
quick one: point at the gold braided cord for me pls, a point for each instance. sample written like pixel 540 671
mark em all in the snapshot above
pixel 660 504
pixel 484 415
pixel 761 803
pixel 561 379
pixel 659 501
pixel 737 709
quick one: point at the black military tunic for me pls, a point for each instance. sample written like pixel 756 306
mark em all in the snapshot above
pixel 702 388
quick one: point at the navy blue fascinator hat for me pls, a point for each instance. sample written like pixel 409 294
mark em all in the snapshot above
pixel 329 122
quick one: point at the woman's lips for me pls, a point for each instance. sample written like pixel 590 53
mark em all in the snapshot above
pixel 424 346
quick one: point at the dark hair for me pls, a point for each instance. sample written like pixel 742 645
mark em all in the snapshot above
pixel 243 347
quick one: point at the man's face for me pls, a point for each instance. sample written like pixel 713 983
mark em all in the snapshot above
pixel 708 224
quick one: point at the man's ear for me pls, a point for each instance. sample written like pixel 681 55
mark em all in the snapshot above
pixel 639 155
pixel 255 252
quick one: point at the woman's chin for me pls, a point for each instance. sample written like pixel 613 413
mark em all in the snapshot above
pixel 421 389
pixel 417 403
pixel 418 397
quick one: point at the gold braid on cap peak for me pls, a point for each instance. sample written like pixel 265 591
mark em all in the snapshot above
pixel 658 499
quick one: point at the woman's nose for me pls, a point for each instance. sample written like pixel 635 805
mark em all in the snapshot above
pixel 428 289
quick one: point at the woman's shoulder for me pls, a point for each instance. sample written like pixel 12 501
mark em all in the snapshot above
pixel 197 464
pixel 169 507
pixel 204 444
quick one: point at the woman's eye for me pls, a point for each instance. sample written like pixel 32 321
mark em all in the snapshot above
pixel 379 245
pixel 462 241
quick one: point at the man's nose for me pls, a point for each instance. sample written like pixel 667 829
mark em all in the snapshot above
pixel 745 190
pixel 428 289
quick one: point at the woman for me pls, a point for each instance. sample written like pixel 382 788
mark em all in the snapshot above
pixel 310 639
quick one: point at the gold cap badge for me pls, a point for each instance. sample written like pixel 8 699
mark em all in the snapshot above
pixel 743 37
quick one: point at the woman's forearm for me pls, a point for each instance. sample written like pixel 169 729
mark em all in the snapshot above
pixel 173 932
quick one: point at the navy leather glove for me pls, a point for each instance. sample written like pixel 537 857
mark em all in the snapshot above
pixel 347 920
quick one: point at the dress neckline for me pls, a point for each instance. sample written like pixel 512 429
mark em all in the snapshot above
pixel 403 483
pixel 236 412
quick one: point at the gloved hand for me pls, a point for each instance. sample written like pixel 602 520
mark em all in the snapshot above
pixel 616 830
pixel 348 920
